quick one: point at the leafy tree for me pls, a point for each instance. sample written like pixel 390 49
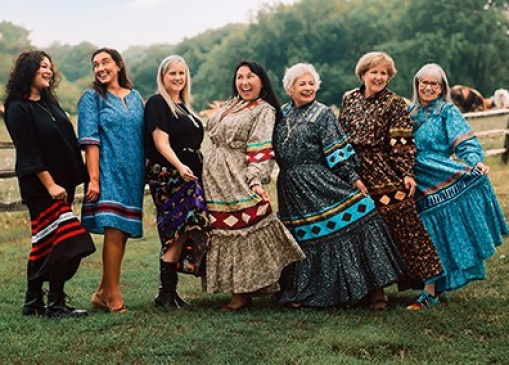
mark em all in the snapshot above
pixel 73 61
pixel 13 39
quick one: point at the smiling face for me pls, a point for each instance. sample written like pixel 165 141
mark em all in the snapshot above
pixel 174 80
pixel 375 79
pixel 303 90
pixel 42 78
pixel 429 89
pixel 248 84
pixel 105 68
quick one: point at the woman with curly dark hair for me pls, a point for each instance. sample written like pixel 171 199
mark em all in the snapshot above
pixel 49 167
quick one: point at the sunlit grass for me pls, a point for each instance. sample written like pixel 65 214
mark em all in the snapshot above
pixel 470 327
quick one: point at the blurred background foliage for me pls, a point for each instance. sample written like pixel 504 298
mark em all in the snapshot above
pixel 469 38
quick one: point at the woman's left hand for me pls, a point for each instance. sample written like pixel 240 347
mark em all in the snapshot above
pixel 484 168
pixel 258 189
pixel 410 185
pixel 186 173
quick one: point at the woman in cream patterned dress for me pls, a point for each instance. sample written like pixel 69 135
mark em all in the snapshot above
pixel 250 246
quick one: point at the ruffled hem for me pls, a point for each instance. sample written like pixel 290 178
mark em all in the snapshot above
pixel 250 260
pixel 414 243
pixel 457 279
pixel 466 230
pixel 344 267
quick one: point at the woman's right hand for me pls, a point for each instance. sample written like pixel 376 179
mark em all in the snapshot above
pixel 93 191
pixel 258 189
pixel 57 192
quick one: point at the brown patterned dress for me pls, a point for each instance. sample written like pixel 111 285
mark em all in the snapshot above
pixel 250 246
pixel 380 130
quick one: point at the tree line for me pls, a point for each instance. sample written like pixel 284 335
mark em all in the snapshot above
pixel 468 38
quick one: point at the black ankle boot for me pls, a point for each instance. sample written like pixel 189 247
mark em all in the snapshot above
pixel 167 297
pixel 34 303
pixel 57 307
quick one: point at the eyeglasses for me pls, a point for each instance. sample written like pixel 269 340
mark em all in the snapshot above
pixel 424 84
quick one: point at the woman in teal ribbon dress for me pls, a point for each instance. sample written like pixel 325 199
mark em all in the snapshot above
pixel 455 198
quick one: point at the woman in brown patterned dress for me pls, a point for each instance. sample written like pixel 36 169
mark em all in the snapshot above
pixel 250 246
pixel 380 130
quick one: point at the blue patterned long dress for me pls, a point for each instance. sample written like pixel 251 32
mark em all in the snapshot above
pixel 457 204
pixel 116 126
pixel 348 249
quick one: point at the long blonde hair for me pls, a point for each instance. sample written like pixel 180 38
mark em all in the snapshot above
pixel 185 93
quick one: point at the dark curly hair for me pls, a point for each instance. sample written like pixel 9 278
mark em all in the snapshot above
pixel 22 76
pixel 267 92
pixel 123 78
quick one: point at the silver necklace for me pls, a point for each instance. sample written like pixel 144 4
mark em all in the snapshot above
pixel 305 116
pixel 189 115
pixel 46 109
pixel 290 128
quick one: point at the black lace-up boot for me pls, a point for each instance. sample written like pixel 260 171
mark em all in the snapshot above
pixel 57 307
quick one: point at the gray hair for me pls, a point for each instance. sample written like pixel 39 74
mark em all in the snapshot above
pixel 185 93
pixel 432 70
pixel 297 70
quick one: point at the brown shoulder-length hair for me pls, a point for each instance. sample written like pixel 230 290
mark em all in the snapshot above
pixel 22 76
pixel 123 78
pixel 373 59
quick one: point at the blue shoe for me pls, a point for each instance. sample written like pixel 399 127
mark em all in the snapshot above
pixel 424 300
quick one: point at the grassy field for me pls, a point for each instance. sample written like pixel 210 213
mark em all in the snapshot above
pixel 470 327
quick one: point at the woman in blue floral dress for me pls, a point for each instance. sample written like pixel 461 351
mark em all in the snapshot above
pixel 455 198
pixel 110 129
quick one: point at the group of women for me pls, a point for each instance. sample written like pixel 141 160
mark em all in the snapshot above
pixel 365 200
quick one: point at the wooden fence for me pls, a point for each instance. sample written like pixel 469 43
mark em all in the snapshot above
pixel 491 126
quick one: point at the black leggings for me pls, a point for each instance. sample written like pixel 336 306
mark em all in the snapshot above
pixel 57 277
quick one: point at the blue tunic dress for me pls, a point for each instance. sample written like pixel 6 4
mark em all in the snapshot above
pixel 457 204
pixel 116 126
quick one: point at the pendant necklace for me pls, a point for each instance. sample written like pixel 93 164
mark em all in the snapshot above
pixel 189 115
pixel 290 128
pixel 46 109
pixel 303 117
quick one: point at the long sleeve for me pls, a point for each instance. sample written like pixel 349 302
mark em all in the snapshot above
pixel 460 136
pixel 402 147
pixel 21 127
pixel 259 151
pixel 339 154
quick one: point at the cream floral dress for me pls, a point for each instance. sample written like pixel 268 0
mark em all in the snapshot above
pixel 250 246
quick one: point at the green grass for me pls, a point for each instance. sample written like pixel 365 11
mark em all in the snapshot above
pixel 471 327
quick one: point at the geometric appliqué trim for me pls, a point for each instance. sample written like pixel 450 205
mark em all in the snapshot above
pixel 239 219
pixel 335 223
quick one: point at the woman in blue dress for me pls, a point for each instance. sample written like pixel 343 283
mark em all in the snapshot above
pixel 455 198
pixel 110 129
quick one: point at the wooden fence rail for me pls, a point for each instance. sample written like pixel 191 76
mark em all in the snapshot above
pixel 476 119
